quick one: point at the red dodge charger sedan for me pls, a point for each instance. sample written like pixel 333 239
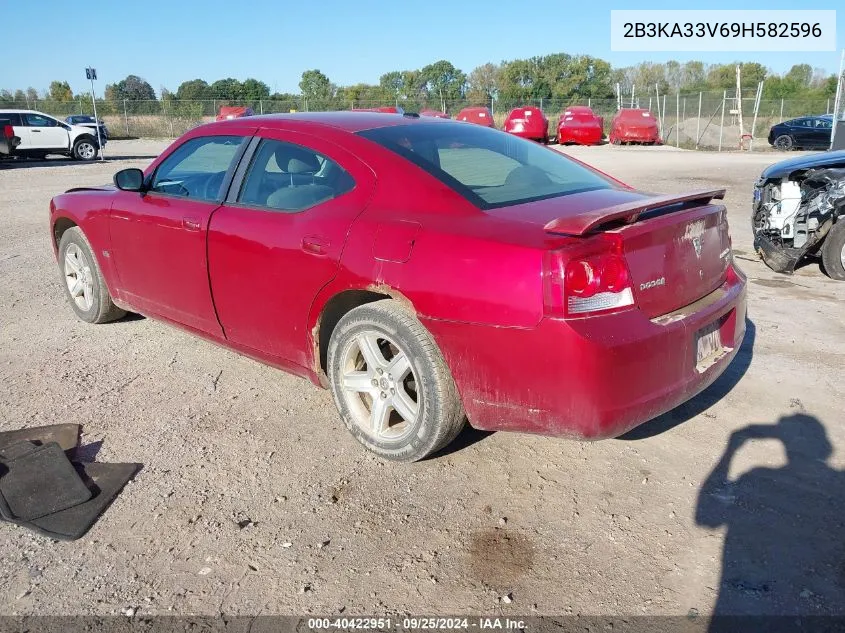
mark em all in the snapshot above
pixel 426 271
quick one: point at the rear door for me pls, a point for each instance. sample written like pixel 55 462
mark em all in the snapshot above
pixel 45 132
pixel 278 238
pixel 159 237
pixel 821 132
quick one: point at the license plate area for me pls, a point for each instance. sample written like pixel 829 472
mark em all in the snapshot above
pixel 708 345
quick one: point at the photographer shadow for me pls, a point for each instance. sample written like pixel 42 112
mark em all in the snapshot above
pixel 784 551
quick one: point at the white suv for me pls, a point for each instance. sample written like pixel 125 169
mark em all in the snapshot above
pixel 42 134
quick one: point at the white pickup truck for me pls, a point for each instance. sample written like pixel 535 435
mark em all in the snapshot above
pixel 41 134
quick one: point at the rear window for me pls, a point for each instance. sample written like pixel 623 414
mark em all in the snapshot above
pixel 489 168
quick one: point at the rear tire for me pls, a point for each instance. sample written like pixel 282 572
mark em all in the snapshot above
pixel 833 252
pixel 784 143
pixel 390 383
pixel 84 149
pixel 83 281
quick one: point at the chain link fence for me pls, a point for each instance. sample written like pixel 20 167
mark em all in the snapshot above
pixel 703 120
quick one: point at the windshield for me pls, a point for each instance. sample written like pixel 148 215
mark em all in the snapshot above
pixel 489 168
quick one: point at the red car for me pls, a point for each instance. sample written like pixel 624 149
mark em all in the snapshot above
pixel 581 126
pixel 426 271
pixel 233 112
pixel 632 125
pixel 386 109
pixel 479 116
pixel 435 113
pixel 528 122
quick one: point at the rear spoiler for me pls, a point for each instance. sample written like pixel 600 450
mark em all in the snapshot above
pixel 629 212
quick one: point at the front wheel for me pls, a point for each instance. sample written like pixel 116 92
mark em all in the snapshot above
pixel 390 383
pixel 84 149
pixel 784 142
pixel 82 280
pixel 833 252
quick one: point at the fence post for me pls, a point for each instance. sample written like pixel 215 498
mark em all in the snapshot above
pixel 80 105
pixel 214 106
pixel 126 117
pixel 677 119
pixel 781 108
pixel 698 124
pixel 722 123
pixel 261 105
pixel 589 102
pixel 827 109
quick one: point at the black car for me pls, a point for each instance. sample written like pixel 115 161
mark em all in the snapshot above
pixel 88 121
pixel 806 132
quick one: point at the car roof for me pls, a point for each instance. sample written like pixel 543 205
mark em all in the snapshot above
pixel 346 120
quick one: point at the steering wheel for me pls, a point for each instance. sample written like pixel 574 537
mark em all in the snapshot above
pixel 212 185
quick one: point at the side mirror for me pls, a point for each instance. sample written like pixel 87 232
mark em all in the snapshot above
pixel 129 180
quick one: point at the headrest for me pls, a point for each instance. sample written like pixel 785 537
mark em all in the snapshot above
pixel 295 160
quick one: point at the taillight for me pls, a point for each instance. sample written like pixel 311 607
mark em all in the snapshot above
pixel 8 131
pixel 588 279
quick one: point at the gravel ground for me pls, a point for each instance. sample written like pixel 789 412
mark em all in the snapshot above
pixel 254 498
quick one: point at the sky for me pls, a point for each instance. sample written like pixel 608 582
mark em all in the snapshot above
pixel 351 41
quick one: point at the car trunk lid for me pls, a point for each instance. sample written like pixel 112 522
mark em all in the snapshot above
pixel 677 247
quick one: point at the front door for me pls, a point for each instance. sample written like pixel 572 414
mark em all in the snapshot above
pixel 159 237
pixel 278 238
pixel 45 132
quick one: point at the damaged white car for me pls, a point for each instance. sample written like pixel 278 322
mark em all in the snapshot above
pixel 799 212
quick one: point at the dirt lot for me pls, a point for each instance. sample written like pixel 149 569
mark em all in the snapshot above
pixel 254 498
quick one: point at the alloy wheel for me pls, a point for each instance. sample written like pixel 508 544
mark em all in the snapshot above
pixel 379 386
pixel 79 277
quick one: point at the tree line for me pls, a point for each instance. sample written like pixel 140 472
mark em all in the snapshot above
pixel 560 77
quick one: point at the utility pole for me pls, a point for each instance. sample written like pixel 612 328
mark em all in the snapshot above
pixel 91 73
pixel 837 101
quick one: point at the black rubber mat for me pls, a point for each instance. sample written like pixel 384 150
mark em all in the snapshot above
pixel 38 480
pixel 65 435
pixel 104 481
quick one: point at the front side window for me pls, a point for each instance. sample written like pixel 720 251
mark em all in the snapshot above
pixel 489 168
pixel 824 124
pixel 197 168
pixel 36 120
pixel 290 178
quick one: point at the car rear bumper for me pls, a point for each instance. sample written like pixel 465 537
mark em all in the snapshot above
pixel 585 136
pixel 591 378
pixel 531 135
pixel 638 136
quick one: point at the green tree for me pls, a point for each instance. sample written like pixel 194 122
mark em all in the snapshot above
pixel 193 89
pixel 60 91
pixel 229 89
pixel 253 90
pixel 443 82
pixel 316 89
pixel 133 88
pixel 483 84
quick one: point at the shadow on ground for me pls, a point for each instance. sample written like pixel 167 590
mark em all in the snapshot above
pixel 784 551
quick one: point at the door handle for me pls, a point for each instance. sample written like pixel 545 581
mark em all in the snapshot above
pixel 39 131
pixel 191 224
pixel 314 244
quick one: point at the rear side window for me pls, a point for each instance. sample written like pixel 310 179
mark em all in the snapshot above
pixel 197 168
pixel 289 178
pixel 489 168
pixel 13 118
